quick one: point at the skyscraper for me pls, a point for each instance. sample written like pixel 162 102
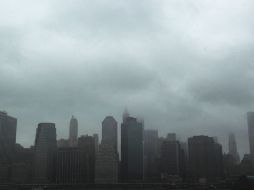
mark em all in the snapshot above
pixel 8 127
pixel 45 153
pixel 250 120
pixel 151 155
pixel 205 159
pixel 86 144
pixel 131 150
pixel 107 158
pixel 106 166
pixel 109 132
pixel 73 133
pixel 232 147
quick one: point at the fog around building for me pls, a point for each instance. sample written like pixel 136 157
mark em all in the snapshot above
pixel 184 66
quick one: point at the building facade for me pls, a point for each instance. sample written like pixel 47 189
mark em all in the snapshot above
pixel 232 148
pixel 73 132
pixel 8 128
pixel 131 150
pixel 205 159
pixel 109 132
pixel 45 153
pixel 250 121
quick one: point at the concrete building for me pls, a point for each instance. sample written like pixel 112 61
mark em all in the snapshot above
pixel 205 159
pixel 109 131
pixel 250 120
pixel 73 133
pixel 131 150
pixel 8 128
pixel 151 155
pixel 106 166
pixel 232 148
pixel 45 153
pixel 86 144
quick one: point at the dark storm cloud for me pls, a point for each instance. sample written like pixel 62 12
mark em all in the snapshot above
pixel 186 67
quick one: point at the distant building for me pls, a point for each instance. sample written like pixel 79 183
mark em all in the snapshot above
pixel 232 147
pixel 109 131
pixel 171 137
pixel 247 165
pixel 73 133
pixel 22 165
pixel 106 166
pixel 250 120
pixel 68 165
pixel 62 143
pixel 170 158
pixel 45 153
pixel 151 155
pixel 86 144
pixel 107 159
pixel 96 141
pixel 205 159
pixel 8 128
pixel 131 150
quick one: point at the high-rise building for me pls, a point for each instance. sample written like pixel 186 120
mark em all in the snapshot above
pixel 131 150
pixel 96 141
pixel 45 153
pixel 8 127
pixel 86 144
pixel 232 147
pixel 171 137
pixel 106 166
pixel 205 159
pixel 109 131
pixel 73 133
pixel 107 158
pixel 151 155
pixel 170 158
pixel 68 165
pixel 250 120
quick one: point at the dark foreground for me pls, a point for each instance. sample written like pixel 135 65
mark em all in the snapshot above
pixel 110 186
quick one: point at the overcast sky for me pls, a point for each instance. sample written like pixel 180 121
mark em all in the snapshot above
pixel 185 66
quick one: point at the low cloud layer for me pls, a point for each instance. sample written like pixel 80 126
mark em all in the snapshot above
pixel 184 66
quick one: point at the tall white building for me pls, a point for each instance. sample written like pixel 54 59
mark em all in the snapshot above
pixel 73 133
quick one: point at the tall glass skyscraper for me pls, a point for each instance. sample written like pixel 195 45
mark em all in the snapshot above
pixel 109 132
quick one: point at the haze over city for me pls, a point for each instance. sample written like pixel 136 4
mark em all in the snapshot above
pixel 184 66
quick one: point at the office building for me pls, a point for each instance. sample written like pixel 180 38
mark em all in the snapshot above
pixel 131 150
pixel 151 155
pixel 86 144
pixel 205 159
pixel 45 153
pixel 73 133
pixel 232 147
pixel 250 120
pixel 8 128
pixel 109 131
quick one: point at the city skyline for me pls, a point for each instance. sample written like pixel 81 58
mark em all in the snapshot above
pixel 184 66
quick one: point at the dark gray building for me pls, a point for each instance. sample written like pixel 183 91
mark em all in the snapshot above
pixel 8 128
pixel 109 131
pixel 250 120
pixel 232 148
pixel 151 155
pixel 205 159
pixel 86 144
pixel 45 153
pixel 131 150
